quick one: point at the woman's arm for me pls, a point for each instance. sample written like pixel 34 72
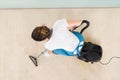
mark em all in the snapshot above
pixel 72 24
pixel 48 53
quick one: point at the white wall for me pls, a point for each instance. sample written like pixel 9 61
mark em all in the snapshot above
pixel 16 45
pixel 58 3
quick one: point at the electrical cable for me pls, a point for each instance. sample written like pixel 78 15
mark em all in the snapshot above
pixel 109 60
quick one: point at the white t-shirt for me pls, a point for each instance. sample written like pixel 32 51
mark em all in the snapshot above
pixel 61 37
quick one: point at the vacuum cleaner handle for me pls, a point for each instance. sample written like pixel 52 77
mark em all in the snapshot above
pixel 87 25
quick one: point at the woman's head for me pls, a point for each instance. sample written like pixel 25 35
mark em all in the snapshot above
pixel 41 33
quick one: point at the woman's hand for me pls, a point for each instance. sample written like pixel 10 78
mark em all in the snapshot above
pixel 72 24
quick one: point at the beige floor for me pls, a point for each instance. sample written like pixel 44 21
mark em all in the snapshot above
pixel 16 45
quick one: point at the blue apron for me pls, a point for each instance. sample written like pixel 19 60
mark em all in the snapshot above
pixel 77 49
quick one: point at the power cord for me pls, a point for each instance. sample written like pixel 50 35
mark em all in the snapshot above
pixel 109 60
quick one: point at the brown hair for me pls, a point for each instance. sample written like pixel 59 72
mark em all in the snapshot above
pixel 40 33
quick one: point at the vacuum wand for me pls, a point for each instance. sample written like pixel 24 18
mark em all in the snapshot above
pixel 35 59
